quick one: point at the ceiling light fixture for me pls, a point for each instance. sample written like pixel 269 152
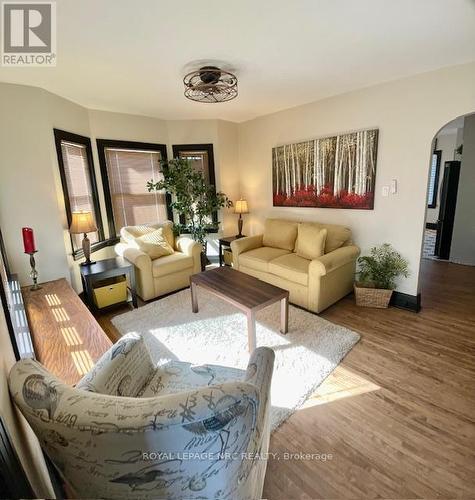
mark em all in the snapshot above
pixel 210 84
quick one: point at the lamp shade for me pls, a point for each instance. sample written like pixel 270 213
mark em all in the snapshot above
pixel 240 207
pixel 82 222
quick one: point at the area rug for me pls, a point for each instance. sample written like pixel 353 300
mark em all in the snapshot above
pixel 217 335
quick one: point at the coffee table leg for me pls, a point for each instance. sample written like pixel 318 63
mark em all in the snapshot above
pixel 194 298
pixel 284 315
pixel 251 330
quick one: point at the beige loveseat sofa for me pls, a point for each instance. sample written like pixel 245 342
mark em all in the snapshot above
pixel 165 274
pixel 314 284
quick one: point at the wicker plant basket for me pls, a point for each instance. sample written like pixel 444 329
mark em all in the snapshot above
pixel 372 297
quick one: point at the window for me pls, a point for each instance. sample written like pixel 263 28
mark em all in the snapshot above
pixel 434 179
pixel 79 183
pixel 202 158
pixel 126 168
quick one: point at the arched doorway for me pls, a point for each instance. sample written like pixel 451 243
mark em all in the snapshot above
pixel 449 234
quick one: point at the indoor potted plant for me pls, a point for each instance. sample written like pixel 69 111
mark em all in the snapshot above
pixel 377 273
pixel 192 198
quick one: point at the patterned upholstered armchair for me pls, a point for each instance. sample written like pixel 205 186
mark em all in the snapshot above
pixel 124 431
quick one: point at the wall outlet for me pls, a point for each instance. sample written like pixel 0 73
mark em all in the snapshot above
pixel 385 191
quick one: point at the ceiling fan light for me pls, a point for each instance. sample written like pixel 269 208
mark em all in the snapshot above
pixel 210 84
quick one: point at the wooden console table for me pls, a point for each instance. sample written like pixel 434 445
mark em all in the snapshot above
pixel 67 339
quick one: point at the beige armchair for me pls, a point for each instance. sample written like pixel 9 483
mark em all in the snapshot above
pixel 314 284
pixel 155 277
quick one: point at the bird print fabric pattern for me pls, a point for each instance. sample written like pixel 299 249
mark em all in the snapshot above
pixel 40 394
pixel 122 371
pixel 200 443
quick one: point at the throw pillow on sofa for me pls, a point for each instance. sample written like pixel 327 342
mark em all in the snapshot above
pixel 337 236
pixel 310 241
pixel 280 234
pixel 154 244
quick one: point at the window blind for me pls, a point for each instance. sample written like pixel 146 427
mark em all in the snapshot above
pixel 76 170
pixel 199 161
pixel 433 180
pixel 128 172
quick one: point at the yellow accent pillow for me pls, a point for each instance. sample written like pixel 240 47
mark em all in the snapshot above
pixel 310 241
pixel 154 244
pixel 280 234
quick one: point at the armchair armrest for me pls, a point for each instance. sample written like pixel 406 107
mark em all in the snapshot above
pixel 192 248
pixel 187 245
pixel 259 370
pixel 139 259
pixel 244 245
pixel 333 260
pixel 143 269
pixel 122 370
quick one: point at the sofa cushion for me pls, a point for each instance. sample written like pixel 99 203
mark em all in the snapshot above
pixel 280 234
pixel 310 241
pixel 291 267
pixel 259 258
pixel 337 235
pixel 123 370
pixel 154 244
pixel 129 233
pixel 171 264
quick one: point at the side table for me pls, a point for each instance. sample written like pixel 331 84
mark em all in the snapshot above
pixel 103 269
pixel 225 242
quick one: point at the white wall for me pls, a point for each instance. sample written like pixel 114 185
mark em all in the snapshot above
pixel 408 113
pixel 462 250
pixel 30 184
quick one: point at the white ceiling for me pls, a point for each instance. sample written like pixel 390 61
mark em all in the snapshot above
pixel 130 56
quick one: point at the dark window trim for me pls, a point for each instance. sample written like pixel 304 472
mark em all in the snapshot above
pixel 62 135
pixel 178 148
pixel 3 252
pixel 14 482
pixel 102 144
pixel 433 202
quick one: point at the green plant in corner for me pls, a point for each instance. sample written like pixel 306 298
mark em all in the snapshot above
pixel 381 268
pixel 193 199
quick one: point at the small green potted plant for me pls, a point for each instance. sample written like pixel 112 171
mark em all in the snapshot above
pixel 377 275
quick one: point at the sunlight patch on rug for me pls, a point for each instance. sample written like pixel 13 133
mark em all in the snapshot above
pixel 217 335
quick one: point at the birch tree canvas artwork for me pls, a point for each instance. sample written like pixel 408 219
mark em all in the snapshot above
pixel 331 172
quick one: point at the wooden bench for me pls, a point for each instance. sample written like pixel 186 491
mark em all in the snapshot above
pixel 67 339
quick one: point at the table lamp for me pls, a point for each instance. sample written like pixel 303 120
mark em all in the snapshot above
pixel 240 207
pixel 82 223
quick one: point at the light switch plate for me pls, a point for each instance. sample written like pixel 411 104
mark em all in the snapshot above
pixel 385 191
pixel 393 186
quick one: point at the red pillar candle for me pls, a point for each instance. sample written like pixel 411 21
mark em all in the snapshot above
pixel 28 240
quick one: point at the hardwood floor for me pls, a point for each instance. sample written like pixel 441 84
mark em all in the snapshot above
pixel 397 415
pixel 414 437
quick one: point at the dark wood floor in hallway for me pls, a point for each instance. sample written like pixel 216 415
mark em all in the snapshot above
pixel 397 416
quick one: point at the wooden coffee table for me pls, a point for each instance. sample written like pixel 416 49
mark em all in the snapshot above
pixel 247 293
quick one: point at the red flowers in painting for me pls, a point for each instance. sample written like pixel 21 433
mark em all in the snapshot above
pixel 331 172
pixel 308 197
